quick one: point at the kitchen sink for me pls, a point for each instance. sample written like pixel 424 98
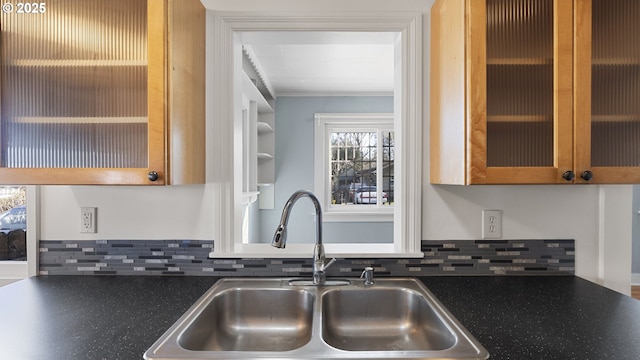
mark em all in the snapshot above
pixel 267 318
pixel 382 320
pixel 252 319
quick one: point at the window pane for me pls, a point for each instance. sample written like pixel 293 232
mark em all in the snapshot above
pixel 350 164
pixel 13 223
pixel 387 165
pixel 354 167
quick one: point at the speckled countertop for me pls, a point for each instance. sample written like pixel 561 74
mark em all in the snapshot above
pixel 520 318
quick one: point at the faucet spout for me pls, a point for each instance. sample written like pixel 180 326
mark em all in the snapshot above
pixel 280 236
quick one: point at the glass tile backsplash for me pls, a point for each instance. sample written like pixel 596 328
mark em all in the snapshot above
pixel 190 257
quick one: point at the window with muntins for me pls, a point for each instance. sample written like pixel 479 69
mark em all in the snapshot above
pixel 13 223
pixel 355 165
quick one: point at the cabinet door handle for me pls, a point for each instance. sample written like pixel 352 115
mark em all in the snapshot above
pixel 152 176
pixel 586 175
pixel 568 175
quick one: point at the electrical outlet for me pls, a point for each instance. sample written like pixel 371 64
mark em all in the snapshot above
pixel 88 220
pixel 491 224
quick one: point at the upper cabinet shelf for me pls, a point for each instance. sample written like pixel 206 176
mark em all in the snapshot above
pixel 518 118
pixel 75 63
pixel 616 118
pixel 96 92
pixel 81 120
pixel 535 92
pixel 519 61
pixel 616 61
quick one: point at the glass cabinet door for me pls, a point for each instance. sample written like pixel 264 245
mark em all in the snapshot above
pixel 524 73
pixel 608 91
pixel 74 85
pixel 519 83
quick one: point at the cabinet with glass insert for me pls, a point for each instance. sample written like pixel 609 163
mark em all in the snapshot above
pixel 607 91
pixel 536 106
pixel 91 91
pixel 506 117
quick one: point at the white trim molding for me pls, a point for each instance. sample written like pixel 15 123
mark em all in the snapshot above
pixel 325 122
pixel 11 271
pixel 224 101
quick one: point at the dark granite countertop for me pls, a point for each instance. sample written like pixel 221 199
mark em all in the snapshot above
pixel 99 317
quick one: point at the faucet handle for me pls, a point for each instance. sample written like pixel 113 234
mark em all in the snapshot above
pixel 367 274
pixel 319 268
pixel 329 263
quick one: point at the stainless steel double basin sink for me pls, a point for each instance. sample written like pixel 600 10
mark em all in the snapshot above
pixel 268 318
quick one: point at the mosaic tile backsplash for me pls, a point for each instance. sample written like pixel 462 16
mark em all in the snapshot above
pixel 190 257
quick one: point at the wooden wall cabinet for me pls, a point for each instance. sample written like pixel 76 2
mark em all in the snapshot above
pixel 103 92
pixel 607 90
pixel 535 92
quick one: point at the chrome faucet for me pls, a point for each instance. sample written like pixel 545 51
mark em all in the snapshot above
pixel 280 237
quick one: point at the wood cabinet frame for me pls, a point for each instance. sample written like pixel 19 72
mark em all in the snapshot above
pixel 176 142
pixel 459 98
pixel 582 92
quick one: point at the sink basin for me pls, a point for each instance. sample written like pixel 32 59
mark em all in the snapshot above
pixel 381 320
pixel 251 319
pixel 267 318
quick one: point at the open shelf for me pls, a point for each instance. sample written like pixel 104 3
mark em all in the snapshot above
pixel 252 92
pixel 264 128
pixel 249 197
pixel 261 133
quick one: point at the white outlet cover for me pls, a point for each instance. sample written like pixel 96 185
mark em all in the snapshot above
pixel 491 224
pixel 88 220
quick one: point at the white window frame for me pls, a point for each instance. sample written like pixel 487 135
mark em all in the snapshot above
pixel 325 124
pixel 10 270
pixel 223 49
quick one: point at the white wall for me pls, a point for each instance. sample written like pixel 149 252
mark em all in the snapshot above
pixel 128 212
pixel 614 242
pixel 603 246
pixel 449 212
pixel 12 271
pixel 144 212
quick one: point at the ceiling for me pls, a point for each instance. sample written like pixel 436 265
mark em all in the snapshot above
pixel 324 63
